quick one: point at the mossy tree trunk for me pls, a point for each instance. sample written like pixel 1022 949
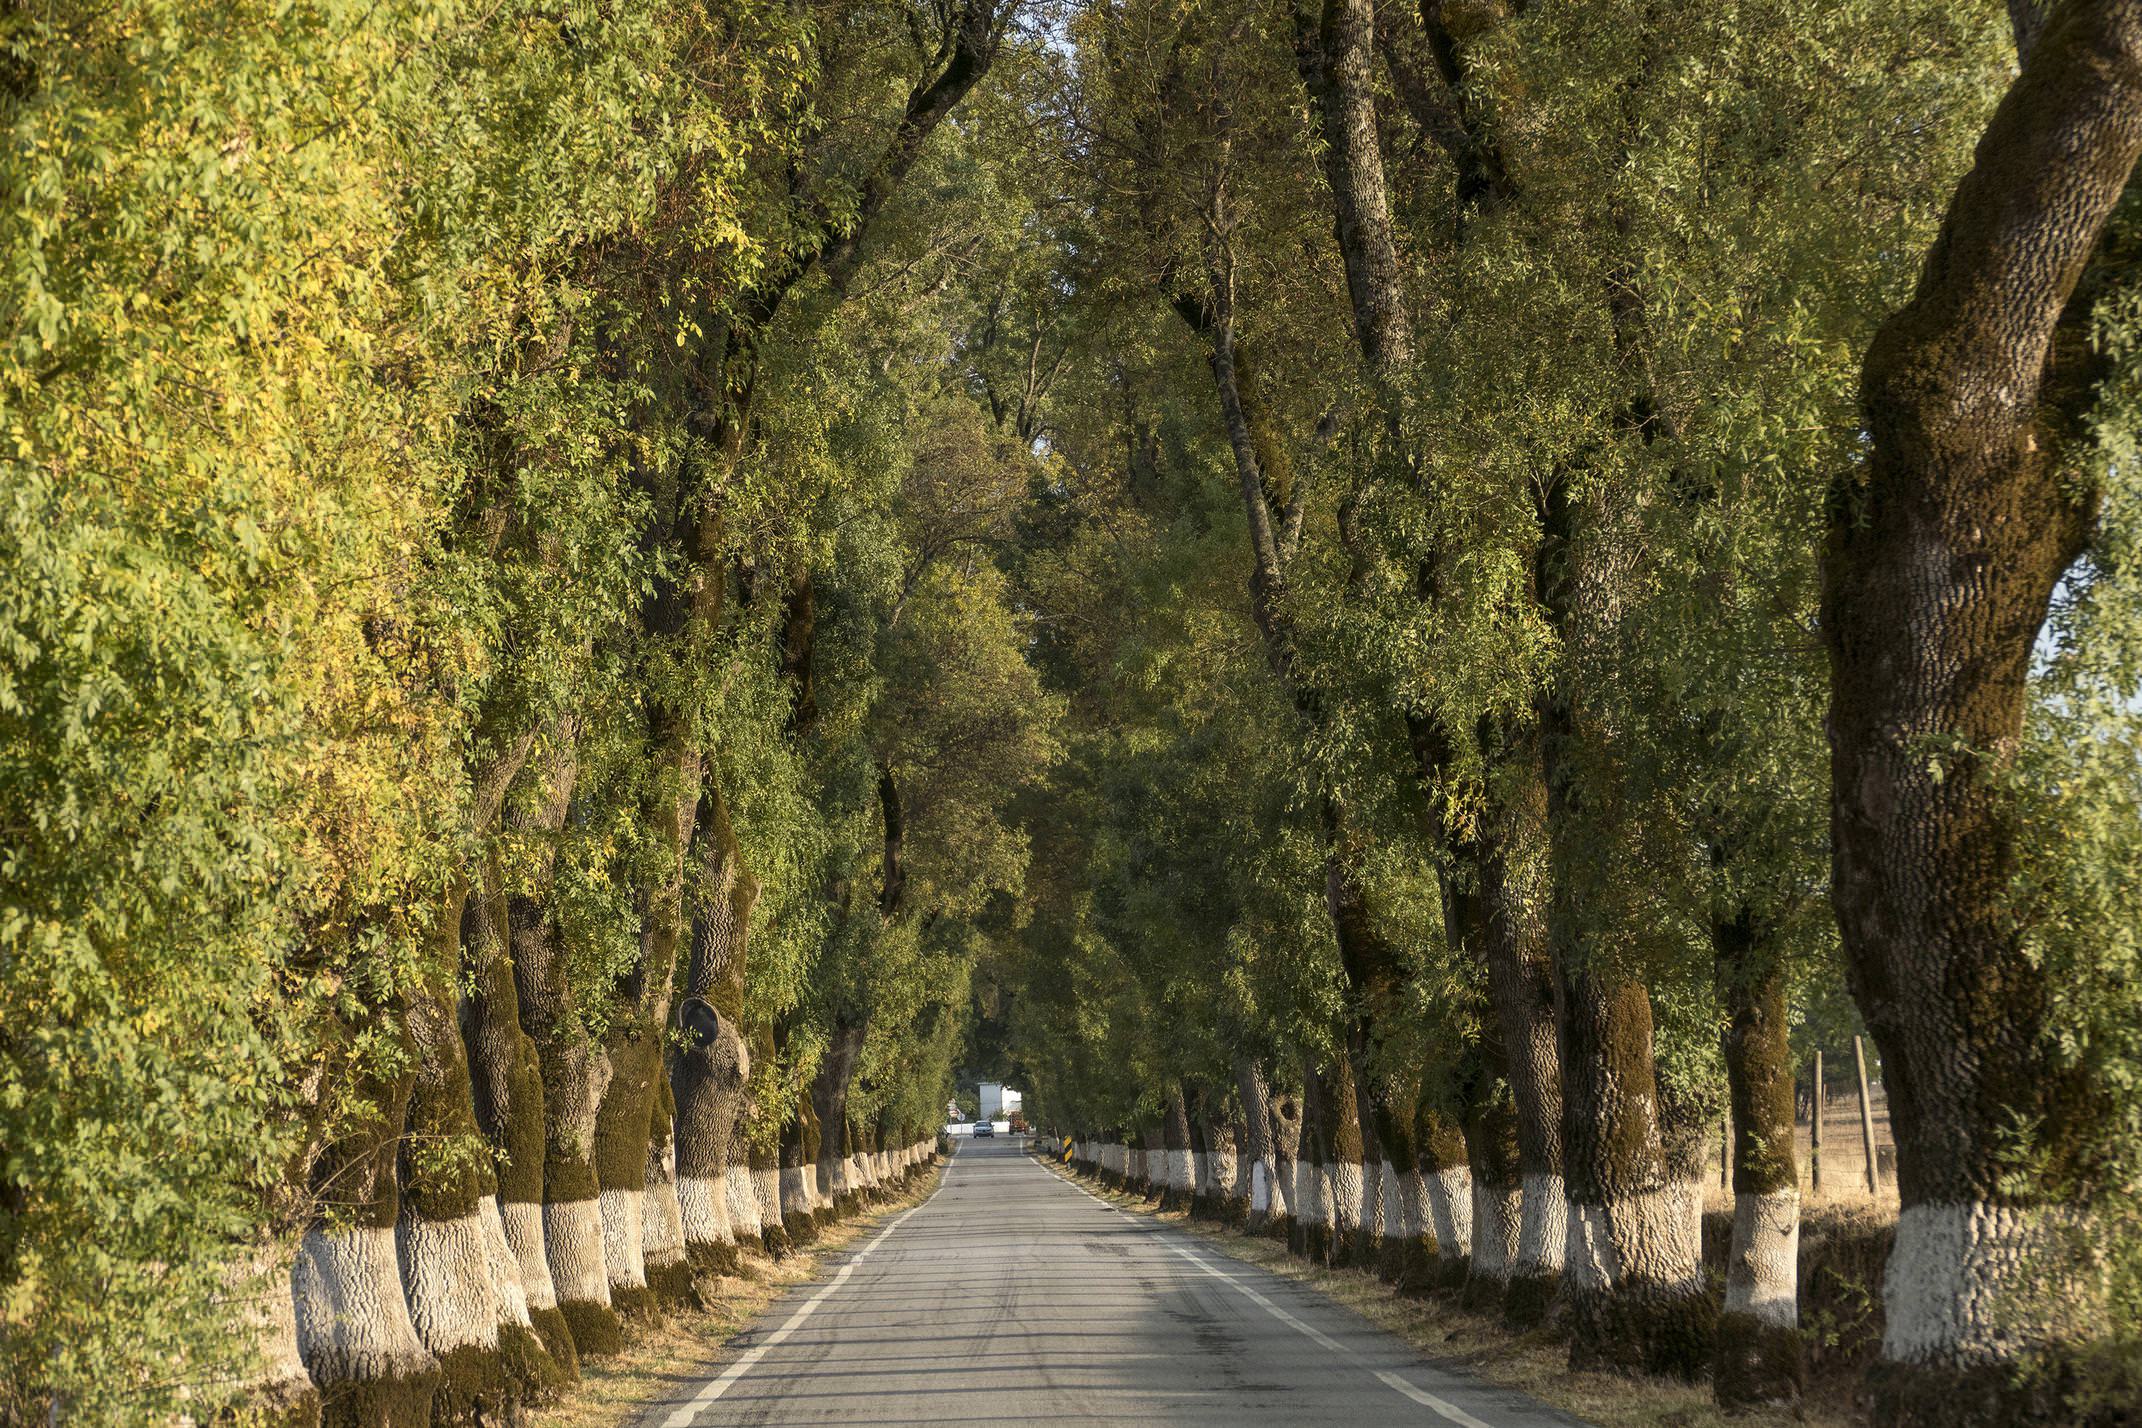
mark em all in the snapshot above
pixel 1488 1123
pixel 1446 1179
pixel 829 1097
pixel 506 1085
pixel 1945 547
pixel 353 1323
pixel 1759 1359
pixel 710 1070
pixel 1521 989
pixel 1634 1273
pixel 574 1073
pixel 460 1274
pixel 669 1270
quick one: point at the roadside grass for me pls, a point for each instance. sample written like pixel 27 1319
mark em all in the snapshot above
pixel 1535 1363
pixel 687 1344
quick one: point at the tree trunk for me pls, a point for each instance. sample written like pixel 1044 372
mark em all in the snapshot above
pixel 1259 1161
pixel 574 1074
pixel 1337 62
pixel 1489 1126
pixel 1175 1186
pixel 710 1071
pixel 1446 1179
pixel 829 1095
pixel 1309 1236
pixel 506 1082
pixel 639 1013
pixel 1287 1214
pixel 669 1270
pixel 1364 1247
pixel 798 1151
pixel 353 1324
pixel 1944 549
pixel 460 1276
pixel 443 1236
pixel 1635 1271
pixel 279 1391
pixel 764 1158
pixel 1521 988
pixel 1759 1358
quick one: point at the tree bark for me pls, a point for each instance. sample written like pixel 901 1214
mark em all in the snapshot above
pixel 506 1082
pixel 278 1390
pixel 1288 1212
pixel 797 1148
pixel 574 1073
pixel 1446 1179
pixel 761 1149
pixel 1759 1359
pixel 1335 53
pixel 1488 1123
pixel 1633 1272
pixel 829 1095
pixel 669 1268
pixel 1945 546
pixel 1260 1160
pixel 1521 988
pixel 463 1312
pixel 1175 1185
pixel 710 1070
pixel 353 1324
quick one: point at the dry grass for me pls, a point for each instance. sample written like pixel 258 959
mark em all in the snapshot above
pixel 1536 1363
pixel 690 1344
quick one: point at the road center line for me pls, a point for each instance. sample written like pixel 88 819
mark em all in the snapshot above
pixel 715 1387
pixel 1446 1409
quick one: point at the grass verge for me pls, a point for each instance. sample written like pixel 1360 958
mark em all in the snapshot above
pixel 688 1344
pixel 1535 1363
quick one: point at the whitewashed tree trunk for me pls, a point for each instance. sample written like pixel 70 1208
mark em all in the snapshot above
pixel 354 1331
pixel 262 1313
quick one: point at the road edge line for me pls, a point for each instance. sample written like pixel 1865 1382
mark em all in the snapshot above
pixel 711 1391
pixel 1449 1411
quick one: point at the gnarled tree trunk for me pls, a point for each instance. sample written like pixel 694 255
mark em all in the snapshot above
pixel 459 1306
pixel 1945 547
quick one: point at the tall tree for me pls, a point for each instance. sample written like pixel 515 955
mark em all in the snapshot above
pixel 1945 548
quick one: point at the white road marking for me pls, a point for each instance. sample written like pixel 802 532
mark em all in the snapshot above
pixel 1446 1409
pixel 715 1387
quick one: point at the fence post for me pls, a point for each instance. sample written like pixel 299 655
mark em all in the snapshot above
pixel 1866 1117
pixel 1814 1152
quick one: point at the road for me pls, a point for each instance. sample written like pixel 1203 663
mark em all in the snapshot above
pixel 1013 1296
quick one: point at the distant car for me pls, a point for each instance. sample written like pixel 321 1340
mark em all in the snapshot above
pixel 982 1128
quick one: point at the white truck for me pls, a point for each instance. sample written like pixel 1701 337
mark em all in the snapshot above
pixel 998 1101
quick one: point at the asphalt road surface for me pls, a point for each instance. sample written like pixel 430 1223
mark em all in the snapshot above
pixel 1012 1296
